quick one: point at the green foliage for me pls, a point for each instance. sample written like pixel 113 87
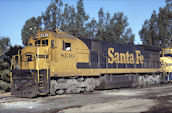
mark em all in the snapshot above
pixel 128 37
pixel 157 30
pixel 30 28
pixel 149 32
pixel 69 20
pixel 4 46
pixel 114 29
pixel 145 34
pixel 52 17
pixel 101 25
pixel 13 50
pixel 4 43
pixel 6 52
pixel 4 73
pixel 91 29
pixel 81 19
pixel 75 21
pixel 4 65
pixel 4 86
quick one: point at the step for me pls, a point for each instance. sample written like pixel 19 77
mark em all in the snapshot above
pixel 41 81
pixel 41 75
pixel 41 87
pixel 42 90
pixel 42 93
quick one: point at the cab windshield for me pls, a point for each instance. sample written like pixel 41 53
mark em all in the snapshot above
pixel 168 55
pixel 44 42
pixel 37 43
pixel 41 42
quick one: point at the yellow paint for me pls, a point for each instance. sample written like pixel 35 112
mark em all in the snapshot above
pixel 131 59
pixel 166 60
pixel 111 58
pixel 139 57
pixel 62 62
pixel 123 58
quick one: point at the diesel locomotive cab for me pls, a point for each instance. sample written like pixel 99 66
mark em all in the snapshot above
pixel 29 69
pixel 166 62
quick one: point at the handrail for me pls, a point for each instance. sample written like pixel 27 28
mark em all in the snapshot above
pixel 48 62
pixel 19 62
pixel 37 63
pixel 11 67
pixel 14 61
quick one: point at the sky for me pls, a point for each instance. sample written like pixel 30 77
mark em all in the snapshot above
pixel 14 13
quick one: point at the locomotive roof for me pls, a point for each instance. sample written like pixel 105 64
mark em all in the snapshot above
pixel 145 47
pixel 63 35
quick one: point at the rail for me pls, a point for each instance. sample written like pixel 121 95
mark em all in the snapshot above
pixel 37 64
pixel 48 61
pixel 16 61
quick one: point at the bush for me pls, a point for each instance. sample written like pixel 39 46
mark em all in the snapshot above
pixel 4 86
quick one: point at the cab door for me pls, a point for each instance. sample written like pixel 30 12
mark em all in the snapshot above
pixel 67 58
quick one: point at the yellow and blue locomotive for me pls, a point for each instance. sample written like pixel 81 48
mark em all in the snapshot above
pixel 55 62
pixel 166 62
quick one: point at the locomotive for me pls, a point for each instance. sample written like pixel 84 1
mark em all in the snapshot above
pixel 166 63
pixel 55 62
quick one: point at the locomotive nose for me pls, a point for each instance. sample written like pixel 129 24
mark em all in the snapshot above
pixel 27 57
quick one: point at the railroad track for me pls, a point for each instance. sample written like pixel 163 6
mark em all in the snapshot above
pixel 2 97
pixel 90 93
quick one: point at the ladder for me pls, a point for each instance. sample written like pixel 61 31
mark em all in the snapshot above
pixel 42 78
pixel 42 85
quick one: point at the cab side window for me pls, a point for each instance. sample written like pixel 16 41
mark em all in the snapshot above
pixel 37 43
pixel 52 43
pixel 44 42
pixel 30 44
pixel 66 46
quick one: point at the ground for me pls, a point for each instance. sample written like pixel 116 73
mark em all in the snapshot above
pixel 147 100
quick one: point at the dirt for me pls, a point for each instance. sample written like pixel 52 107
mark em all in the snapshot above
pixel 130 105
pixel 164 104
pixel 146 100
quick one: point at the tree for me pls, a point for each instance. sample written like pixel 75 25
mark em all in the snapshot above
pixel 154 31
pixel 150 33
pixel 91 29
pixel 128 37
pixel 165 24
pixel 116 29
pixel 75 21
pixel 4 44
pixel 13 50
pixel 101 25
pixel 69 20
pixel 30 28
pixel 120 22
pixel 145 34
pixel 157 30
pixel 81 19
pixel 52 17
pixel 4 71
